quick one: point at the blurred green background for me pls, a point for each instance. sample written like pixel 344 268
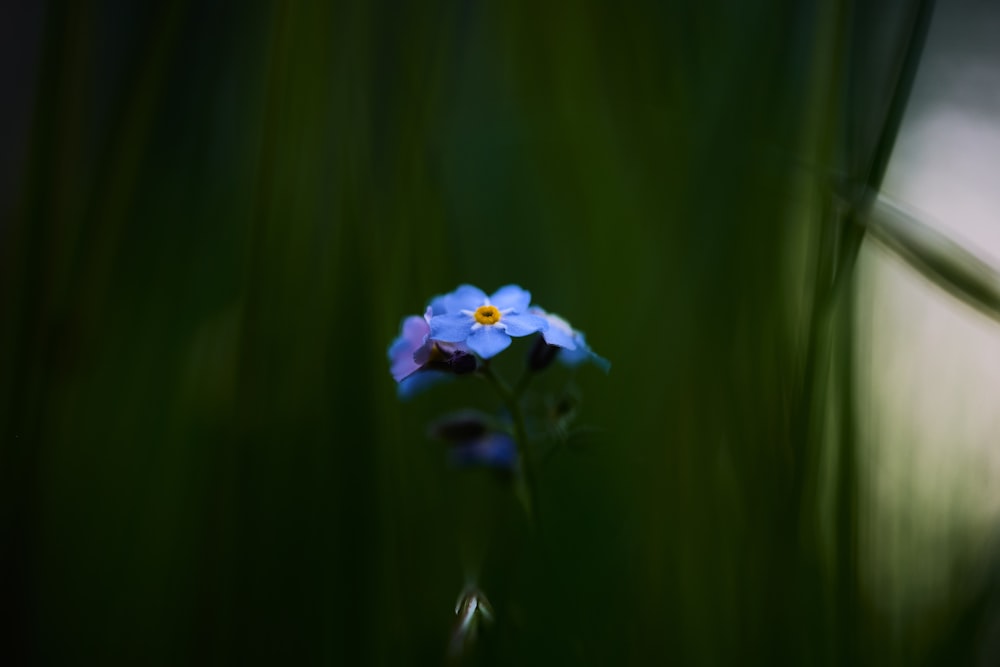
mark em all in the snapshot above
pixel 218 214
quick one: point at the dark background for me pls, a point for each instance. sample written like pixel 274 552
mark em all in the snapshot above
pixel 215 215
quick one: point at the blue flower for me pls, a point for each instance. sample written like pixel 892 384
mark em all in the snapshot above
pixel 472 442
pixel 574 349
pixel 417 362
pixel 485 323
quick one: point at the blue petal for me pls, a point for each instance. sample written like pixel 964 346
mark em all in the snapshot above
pixel 403 366
pixel 488 341
pixel 398 348
pixel 403 348
pixel 522 325
pixel 511 296
pixel 422 354
pixel 412 331
pixel 556 335
pixel 577 356
pixel 451 328
pixel 582 354
pixel 600 362
pixel 418 382
pixel 436 306
pixel 465 297
pixel 574 358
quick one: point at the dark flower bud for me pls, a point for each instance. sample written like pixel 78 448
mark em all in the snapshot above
pixel 459 427
pixel 457 363
pixel 490 450
pixel 566 406
pixel 461 363
pixel 542 354
pixel 471 610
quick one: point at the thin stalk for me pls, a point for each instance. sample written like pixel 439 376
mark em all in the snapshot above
pixel 523 382
pixel 524 470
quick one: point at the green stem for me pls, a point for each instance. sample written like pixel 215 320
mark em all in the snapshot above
pixel 524 472
pixel 522 383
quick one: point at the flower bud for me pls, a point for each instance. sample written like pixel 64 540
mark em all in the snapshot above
pixel 462 363
pixel 490 450
pixel 471 610
pixel 459 427
pixel 542 355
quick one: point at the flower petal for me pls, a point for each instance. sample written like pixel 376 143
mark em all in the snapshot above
pixel 403 366
pixel 573 358
pixel 488 341
pixel 418 382
pixel 582 354
pixel 522 325
pixel 600 362
pixel 422 355
pixel 413 331
pixel 511 296
pixel 436 307
pixel 465 297
pixel 558 337
pixel 451 328
pixel 559 333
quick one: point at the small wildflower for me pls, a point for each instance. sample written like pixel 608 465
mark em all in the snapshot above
pixel 473 440
pixel 485 323
pixel 458 333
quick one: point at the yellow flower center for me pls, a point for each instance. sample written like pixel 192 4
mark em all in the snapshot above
pixel 487 315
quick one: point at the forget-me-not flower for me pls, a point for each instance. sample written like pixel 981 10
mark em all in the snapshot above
pixel 574 349
pixel 474 440
pixel 485 323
